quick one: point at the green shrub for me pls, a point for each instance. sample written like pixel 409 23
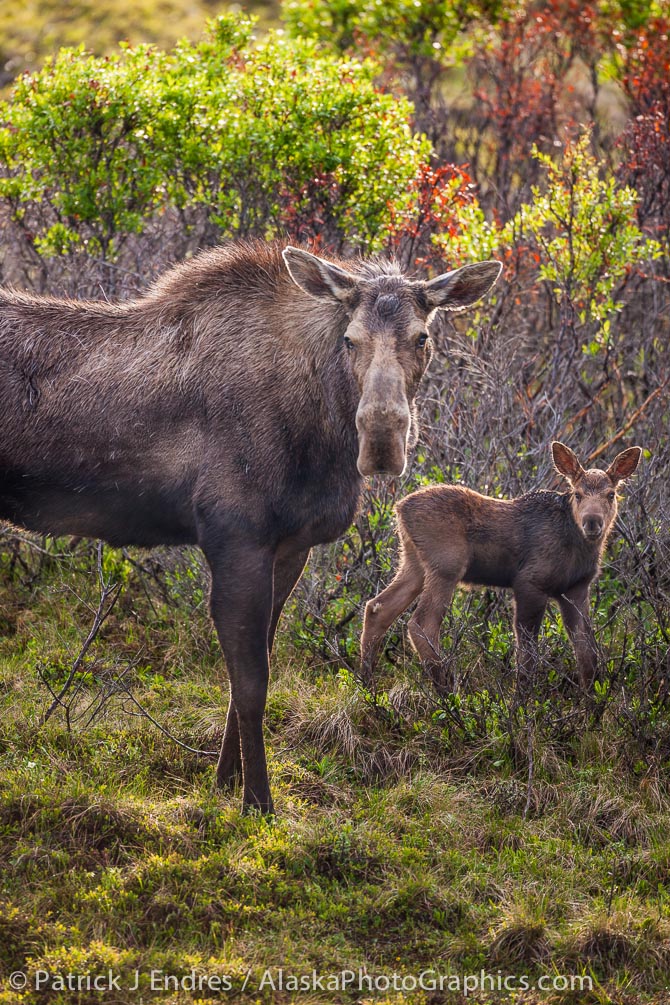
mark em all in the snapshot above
pixel 586 237
pixel 80 137
pixel 260 139
pixel 417 30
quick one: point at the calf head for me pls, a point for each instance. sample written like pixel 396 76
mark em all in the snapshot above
pixel 386 343
pixel 593 493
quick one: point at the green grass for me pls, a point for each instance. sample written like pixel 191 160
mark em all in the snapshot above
pixel 402 842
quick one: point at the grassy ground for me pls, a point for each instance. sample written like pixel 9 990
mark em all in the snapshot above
pixel 402 844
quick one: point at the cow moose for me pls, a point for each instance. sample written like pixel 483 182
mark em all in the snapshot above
pixel 236 405
pixel 543 545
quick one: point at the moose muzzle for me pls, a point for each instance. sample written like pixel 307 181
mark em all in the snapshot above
pixel 383 421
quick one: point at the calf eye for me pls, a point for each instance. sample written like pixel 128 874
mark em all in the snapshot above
pixel 421 341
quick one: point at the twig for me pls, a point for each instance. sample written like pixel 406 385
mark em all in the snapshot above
pixel 634 417
pixel 147 715
pixel 33 544
pixel 109 594
pixel 530 732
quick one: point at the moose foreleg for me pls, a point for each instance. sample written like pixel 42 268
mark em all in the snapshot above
pixel 425 626
pixel 229 765
pixel 287 572
pixel 529 608
pixel 576 618
pixel 241 605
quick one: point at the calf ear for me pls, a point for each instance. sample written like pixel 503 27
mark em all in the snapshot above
pixel 566 462
pixel 454 291
pixel 624 464
pixel 317 277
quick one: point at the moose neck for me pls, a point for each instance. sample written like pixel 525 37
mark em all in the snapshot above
pixel 585 553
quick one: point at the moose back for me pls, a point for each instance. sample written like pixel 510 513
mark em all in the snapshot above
pixel 237 405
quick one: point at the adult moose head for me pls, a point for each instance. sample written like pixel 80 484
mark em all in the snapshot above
pixel 236 406
pixel 387 341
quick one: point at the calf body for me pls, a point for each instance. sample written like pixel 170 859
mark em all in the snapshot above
pixel 237 406
pixel 543 545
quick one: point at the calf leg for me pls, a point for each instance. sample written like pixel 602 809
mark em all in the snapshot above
pixel 241 605
pixel 424 628
pixel 287 571
pixel 382 610
pixel 529 608
pixel 575 610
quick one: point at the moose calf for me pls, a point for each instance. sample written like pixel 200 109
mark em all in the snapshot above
pixel 543 545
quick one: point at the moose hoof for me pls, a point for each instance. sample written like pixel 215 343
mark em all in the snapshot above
pixel 366 677
pixel 228 774
pixel 263 808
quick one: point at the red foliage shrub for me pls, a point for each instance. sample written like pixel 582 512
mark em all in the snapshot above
pixel 646 139
pixel 308 214
pixel 439 194
pixel 646 76
pixel 525 93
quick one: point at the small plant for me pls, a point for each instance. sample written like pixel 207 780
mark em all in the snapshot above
pixel 587 238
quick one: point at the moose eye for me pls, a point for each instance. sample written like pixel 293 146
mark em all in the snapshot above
pixel 611 496
pixel 579 496
pixel 349 344
pixel 421 341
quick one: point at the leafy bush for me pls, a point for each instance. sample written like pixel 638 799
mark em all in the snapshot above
pixel 410 30
pixel 414 43
pixel 79 140
pixel 255 139
pixel 443 222
pixel 297 140
pixel 586 234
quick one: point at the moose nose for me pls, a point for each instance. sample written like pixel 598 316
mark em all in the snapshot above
pixel 592 526
pixel 388 418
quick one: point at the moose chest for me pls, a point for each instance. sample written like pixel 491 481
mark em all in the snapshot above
pixel 318 497
pixel 559 565
pixel 279 481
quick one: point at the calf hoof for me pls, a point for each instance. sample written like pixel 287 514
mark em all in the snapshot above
pixel 366 673
pixel 443 679
pixel 366 679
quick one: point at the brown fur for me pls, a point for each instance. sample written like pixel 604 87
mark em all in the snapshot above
pixel 236 406
pixel 543 545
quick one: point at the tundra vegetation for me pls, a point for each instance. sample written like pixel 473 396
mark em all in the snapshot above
pixel 416 830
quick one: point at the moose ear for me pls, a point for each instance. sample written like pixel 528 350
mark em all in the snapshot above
pixel 624 464
pixel 317 277
pixel 565 462
pixel 454 291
